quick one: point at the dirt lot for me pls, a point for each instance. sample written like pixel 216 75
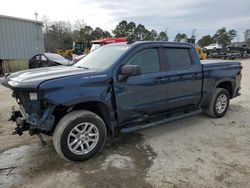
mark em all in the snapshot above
pixel 195 152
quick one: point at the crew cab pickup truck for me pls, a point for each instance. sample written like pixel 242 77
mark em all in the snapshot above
pixel 119 88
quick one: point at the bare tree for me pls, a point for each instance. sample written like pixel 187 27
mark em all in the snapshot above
pixel 79 24
pixel 247 37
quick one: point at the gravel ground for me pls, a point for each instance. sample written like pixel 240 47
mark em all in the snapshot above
pixel 195 152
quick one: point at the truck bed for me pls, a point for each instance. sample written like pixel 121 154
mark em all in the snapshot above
pixel 213 63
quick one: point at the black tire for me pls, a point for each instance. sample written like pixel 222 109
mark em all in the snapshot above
pixel 211 109
pixel 72 121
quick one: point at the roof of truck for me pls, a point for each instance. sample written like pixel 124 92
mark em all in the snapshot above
pixel 171 44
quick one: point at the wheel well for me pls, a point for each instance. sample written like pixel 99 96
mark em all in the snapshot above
pixel 96 107
pixel 228 86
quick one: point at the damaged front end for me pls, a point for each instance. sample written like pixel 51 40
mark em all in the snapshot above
pixel 34 113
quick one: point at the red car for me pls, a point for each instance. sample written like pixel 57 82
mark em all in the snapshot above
pixel 100 42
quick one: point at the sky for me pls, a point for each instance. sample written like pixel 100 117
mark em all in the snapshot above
pixel 205 16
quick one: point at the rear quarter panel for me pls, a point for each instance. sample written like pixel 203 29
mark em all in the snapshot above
pixel 216 72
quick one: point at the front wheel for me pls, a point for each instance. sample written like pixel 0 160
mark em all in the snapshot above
pixel 79 135
pixel 219 103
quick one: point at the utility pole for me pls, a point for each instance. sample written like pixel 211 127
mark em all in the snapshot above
pixel 37 38
pixel 166 31
pixel 193 33
pixel 36 15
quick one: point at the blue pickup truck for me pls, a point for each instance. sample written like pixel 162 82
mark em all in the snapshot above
pixel 119 88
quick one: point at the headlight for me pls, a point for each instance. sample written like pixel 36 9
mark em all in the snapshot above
pixel 33 96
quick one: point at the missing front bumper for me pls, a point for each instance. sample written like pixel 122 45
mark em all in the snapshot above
pixel 32 122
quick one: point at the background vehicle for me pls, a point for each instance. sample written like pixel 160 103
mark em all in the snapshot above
pixel 198 49
pixel 120 88
pixel 212 47
pixel 200 53
pixel 77 49
pixel 47 60
pixel 65 53
pixel 100 42
pixel 238 48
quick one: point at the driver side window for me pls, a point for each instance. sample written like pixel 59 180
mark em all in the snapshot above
pixel 147 59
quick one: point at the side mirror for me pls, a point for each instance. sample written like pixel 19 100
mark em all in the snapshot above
pixel 130 70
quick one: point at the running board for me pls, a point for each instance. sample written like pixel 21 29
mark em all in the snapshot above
pixel 167 120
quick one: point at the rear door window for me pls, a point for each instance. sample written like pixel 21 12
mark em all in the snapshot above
pixel 177 58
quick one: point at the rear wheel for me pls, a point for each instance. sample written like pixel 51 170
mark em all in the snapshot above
pixel 79 135
pixel 219 103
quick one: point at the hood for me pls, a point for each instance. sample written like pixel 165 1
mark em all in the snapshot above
pixel 33 77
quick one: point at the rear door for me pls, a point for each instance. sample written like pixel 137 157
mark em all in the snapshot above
pixel 184 77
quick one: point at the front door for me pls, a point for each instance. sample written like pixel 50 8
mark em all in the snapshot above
pixel 142 95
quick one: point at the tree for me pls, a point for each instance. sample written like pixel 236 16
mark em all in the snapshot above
pixel 79 24
pixel 247 37
pixel 130 30
pixel 125 29
pixel 76 35
pixel 99 33
pixel 205 41
pixel 180 36
pixel 46 28
pixel 120 29
pixel 150 35
pixel 86 35
pixel 107 34
pixel 46 23
pixel 139 32
pixel 162 36
pixel 57 35
pixel 224 37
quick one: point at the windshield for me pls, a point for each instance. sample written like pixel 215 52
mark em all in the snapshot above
pixel 54 56
pixel 103 57
pixel 94 47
